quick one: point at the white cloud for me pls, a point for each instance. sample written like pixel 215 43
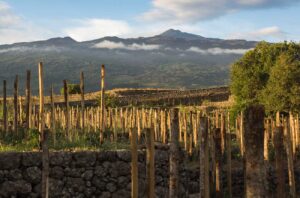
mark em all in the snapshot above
pixel 143 46
pixel 89 29
pixel 110 45
pixel 7 17
pixel 32 49
pixel 274 30
pixel 272 33
pixel 195 10
pixel 120 45
pixel 216 51
pixel 14 28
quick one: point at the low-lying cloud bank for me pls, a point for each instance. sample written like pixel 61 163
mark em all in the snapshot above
pixel 216 51
pixel 32 49
pixel 120 45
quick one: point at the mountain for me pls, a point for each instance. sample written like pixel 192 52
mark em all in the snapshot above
pixel 173 59
pixel 177 34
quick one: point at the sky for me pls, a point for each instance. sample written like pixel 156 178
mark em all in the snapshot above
pixel 30 20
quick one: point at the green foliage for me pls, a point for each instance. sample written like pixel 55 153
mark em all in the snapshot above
pixel 282 92
pixel 29 141
pixel 268 75
pixel 72 89
pixel 110 101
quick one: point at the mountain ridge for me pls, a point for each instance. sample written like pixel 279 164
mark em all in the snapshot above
pixel 170 34
pixel 172 59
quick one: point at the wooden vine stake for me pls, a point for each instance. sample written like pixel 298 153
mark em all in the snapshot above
pixel 150 168
pixel 44 136
pixel 67 115
pixel 185 131
pixel 41 103
pixel 266 141
pixel 223 133
pixel 255 184
pixel 228 156
pixel 4 108
pixel 279 161
pixel 52 115
pixel 242 137
pixel 212 154
pixel 174 156
pixel 204 158
pixel 16 105
pixel 218 154
pixel 28 100
pixel 82 100
pixel 102 103
pixel 134 164
pixel 289 152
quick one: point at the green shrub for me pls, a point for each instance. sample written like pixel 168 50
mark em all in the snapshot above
pixel 72 89
pixel 268 75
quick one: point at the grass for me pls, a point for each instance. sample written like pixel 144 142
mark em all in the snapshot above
pixel 86 141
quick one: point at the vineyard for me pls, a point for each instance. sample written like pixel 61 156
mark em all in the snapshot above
pixel 168 143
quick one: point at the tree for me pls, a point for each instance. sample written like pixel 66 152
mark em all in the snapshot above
pixel 282 92
pixel 72 89
pixel 257 77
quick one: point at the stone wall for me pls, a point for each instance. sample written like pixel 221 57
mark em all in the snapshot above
pixel 80 174
pixel 107 174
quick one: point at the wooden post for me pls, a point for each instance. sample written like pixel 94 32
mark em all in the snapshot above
pixel 218 154
pixel 4 108
pixel 223 134
pixel 115 121
pixel 185 131
pixel 254 146
pixel 204 158
pixel 228 156
pixel 28 100
pixel 279 161
pixel 242 137
pixel 180 126
pixel 212 154
pixel 278 119
pixel 191 137
pixel 289 151
pixel 82 101
pixel 20 110
pixel 45 170
pixel 194 124
pixel 174 156
pixel 102 126
pixel 266 141
pixel 138 124
pixel 297 130
pixel 41 104
pixel 292 133
pixel 16 105
pixel 155 125
pixel 217 119
pixel 134 164
pixel 161 125
pixel 53 115
pixel 66 96
pixel 150 168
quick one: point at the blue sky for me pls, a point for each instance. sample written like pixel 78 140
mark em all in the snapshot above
pixel 28 20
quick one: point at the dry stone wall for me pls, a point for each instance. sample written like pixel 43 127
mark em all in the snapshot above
pixel 80 174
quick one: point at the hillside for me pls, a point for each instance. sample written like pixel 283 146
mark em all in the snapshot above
pixel 173 59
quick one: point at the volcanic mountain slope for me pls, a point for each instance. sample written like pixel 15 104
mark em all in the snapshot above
pixel 173 59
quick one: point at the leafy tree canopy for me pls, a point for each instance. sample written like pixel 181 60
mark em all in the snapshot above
pixel 72 89
pixel 268 75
